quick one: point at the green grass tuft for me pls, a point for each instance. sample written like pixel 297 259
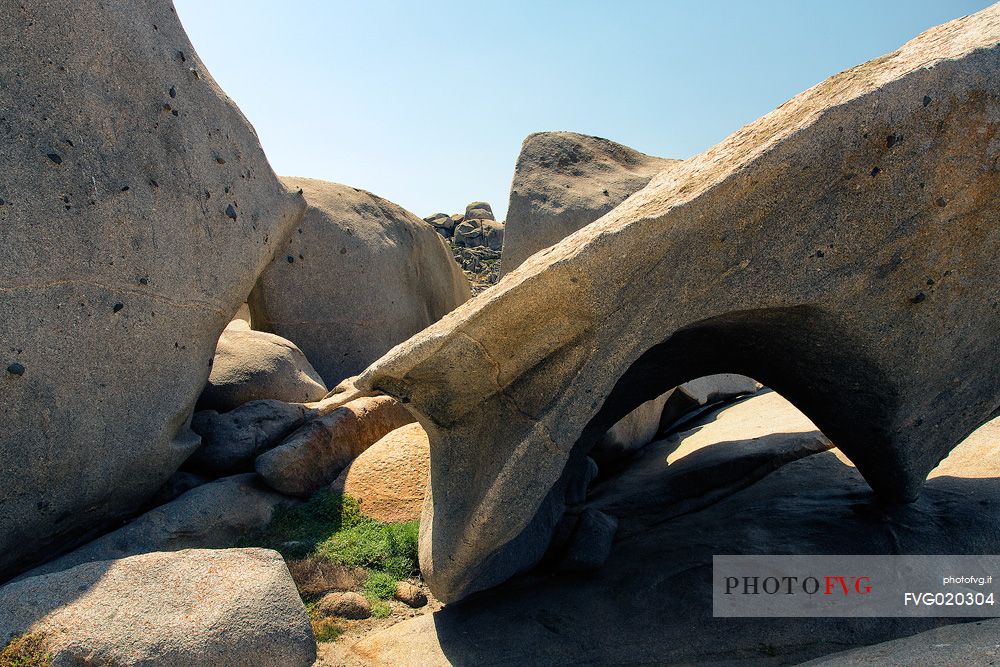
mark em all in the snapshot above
pixel 383 547
pixel 380 586
pixel 28 650
pixel 295 531
pixel 381 609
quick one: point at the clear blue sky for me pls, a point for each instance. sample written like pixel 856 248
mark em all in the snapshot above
pixel 426 103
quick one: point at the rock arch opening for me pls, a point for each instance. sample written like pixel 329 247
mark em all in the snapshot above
pixel 804 353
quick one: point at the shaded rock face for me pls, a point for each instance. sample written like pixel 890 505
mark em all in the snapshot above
pixel 253 366
pixel 656 416
pixel 442 223
pixel 176 485
pixel 753 478
pixel 975 643
pixel 138 210
pixel 211 516
pixel 185 609
pixel 564 181
pixel 389 478
pixel 358 275
pixel 841 250
pixel 231 442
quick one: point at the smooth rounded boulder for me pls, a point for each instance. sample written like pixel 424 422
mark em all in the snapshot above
pixel 254 365
pixel 389 479
pixel 136 211
pixel 215 515
pixel 564 181
pixel 192 608
pixel 313 456
pixel 479 210
pixel 357 276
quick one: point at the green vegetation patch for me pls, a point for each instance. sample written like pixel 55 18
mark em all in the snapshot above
pixel 295 531
pixel 380 586
pixel 330 528
pixel 28 650
pixel 382 547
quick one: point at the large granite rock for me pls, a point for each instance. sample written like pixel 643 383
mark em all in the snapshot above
pixel 479 233
pixel 254 366
pixel 313 456
pixel 841 250
pixel 216 515
pixel 357 276
pixel 479 210
pixel 137 211
pixel 389 479
pixel 191 608
pixel 752 478
pixel 564 181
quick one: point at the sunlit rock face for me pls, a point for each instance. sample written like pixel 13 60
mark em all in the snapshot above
pixel 136 211
pixel 564 181
pixel 357 276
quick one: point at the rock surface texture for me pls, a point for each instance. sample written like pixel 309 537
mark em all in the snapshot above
pixel 564 181
pixel 191 608
pixel 389 478
pixel 841 250
pixel 357 276
pixel 313 456
pixel 211 516
pixel 347 604
pixel 230 442
pixel 137 211
pixel 253 366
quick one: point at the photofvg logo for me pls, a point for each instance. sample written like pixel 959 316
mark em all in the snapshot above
pixel 788 585
pixel 871 586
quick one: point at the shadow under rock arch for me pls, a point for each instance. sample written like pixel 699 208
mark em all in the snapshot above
pixel 804 353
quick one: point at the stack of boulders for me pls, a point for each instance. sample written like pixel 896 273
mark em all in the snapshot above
pixel 141 418
pixel 476 239
pixel 148 432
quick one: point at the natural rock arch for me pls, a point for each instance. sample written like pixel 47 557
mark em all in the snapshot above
pixel 871 200
pixel 802 352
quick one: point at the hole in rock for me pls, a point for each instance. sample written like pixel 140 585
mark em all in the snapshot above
pixel 812 358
